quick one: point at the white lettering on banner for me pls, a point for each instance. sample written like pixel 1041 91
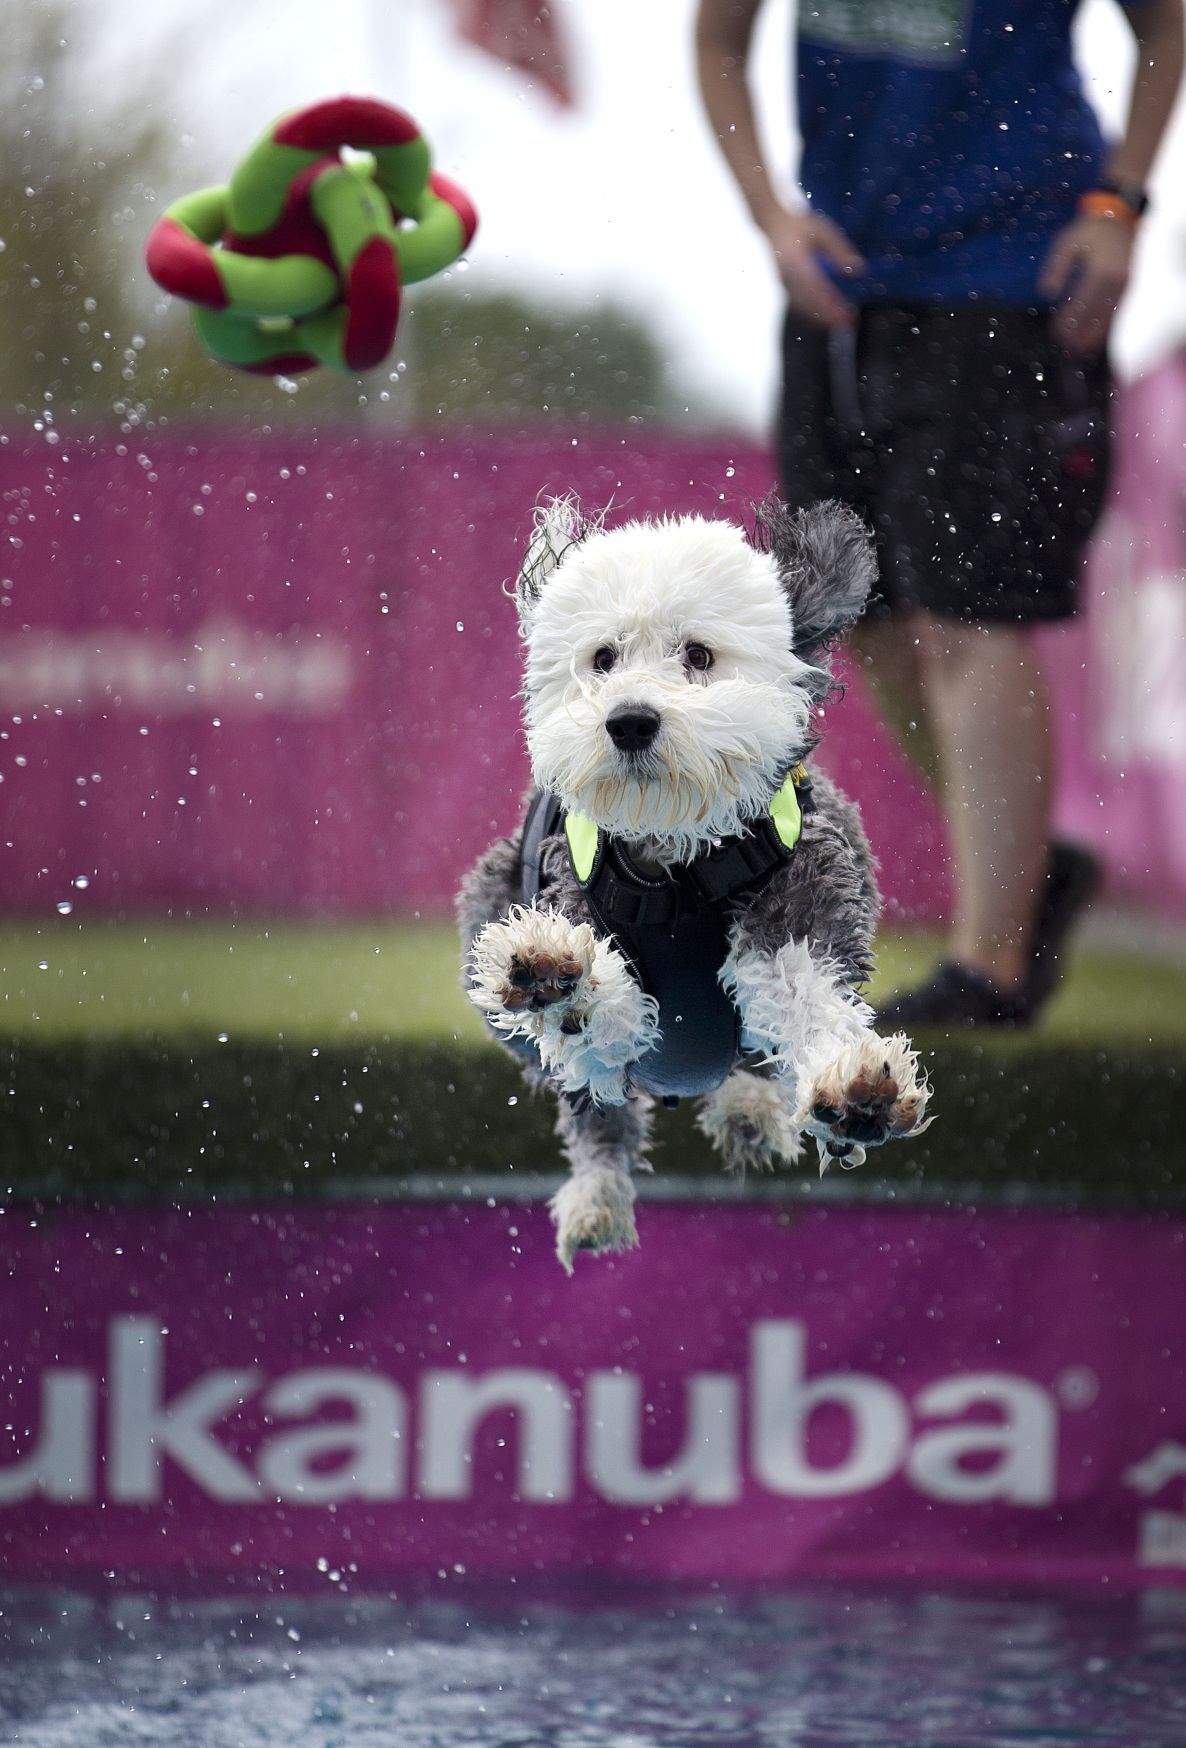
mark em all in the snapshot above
pixel 227 666
pixel 707 1470
pixel 143 1428
pixel 371 1445
pixel 1161 1535
pixel 1162 1539
pixel 1165 1463
pixel 1025 1441
pixel 782 1406
pixel 452 1404
pixel 61 1464
pixel 364 1452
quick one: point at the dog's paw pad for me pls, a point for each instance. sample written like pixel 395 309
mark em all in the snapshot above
pixel 529 963
pixel 540 980
pixel 860 1103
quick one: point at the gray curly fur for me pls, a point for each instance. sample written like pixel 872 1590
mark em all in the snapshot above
pixel 825 564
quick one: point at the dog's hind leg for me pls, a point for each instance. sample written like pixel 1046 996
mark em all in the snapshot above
pixel 749 1119
pixel 594 1208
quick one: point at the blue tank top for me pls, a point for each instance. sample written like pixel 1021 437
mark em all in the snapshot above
pixel 949 140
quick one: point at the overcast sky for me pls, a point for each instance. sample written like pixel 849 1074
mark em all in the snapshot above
pixel 624 195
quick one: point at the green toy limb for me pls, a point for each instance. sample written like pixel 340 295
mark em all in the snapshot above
pixel 203 213
pixel 351 211
pixel 259 184
pixel 233 341
pixel 256 286
pixel 402 173
pixel 433 243
pixel 288 285
pixel 249 346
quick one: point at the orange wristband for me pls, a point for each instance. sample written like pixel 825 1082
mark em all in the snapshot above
pixel 1101 203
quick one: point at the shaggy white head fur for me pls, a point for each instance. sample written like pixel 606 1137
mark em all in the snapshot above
pixel 680 618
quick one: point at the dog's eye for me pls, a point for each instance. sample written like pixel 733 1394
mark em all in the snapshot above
pixel 604 658
pixel 698 657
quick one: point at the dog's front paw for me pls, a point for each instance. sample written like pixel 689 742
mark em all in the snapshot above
pixel 873 1092
pixel 532 961
pixel 593 1210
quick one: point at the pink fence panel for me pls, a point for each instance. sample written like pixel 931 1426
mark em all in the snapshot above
pixel 281 676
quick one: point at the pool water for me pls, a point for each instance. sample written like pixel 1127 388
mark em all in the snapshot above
pixel 802 1669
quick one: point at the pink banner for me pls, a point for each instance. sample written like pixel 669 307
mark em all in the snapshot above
pixel 282 675
pixel 279 675
pixel 1121 672
pixel 357 1396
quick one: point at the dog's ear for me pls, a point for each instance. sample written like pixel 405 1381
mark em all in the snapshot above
pixel 558 524
pixel 826 564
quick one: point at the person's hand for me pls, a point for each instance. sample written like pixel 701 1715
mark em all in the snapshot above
pixel 798 239
pixel 1086 273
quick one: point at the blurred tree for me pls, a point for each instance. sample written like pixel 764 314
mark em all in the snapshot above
pixel 69 222
pixel 500 358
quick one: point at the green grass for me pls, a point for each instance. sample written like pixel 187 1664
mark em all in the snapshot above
pixel 326 982
pixel 336 983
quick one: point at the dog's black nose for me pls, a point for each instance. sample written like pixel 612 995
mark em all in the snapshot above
pixel 632 727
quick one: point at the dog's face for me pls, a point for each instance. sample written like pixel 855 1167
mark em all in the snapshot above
pixel 667 687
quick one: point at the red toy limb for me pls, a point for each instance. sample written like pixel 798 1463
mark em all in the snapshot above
pixel 182 265
pixel 364 121
pixel 372 301
pixel 459 200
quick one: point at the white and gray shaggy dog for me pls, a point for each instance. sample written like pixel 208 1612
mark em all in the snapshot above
pixel 686 911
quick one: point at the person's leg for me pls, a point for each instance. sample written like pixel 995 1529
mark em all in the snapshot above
pixel 887 652
pixel 987 697
pixel 987 498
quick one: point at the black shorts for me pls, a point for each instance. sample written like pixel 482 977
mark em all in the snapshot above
pixel 974 446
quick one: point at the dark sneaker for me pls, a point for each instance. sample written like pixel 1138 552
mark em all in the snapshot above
pixel 957 996
pixel 1072 880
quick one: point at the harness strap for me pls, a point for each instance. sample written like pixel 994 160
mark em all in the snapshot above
pixel 739 863
pixel 543 821
pixel 626 899
pixel 673 929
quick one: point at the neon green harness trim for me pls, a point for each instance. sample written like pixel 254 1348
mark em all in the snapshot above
pixel 582 837
pixel 785 812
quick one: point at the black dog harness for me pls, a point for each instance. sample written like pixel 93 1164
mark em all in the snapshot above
pixel 672 928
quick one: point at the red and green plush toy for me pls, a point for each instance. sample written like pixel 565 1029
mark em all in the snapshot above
pixel 302 258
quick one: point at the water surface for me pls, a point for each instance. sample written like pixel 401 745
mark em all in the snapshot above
pixel 804 1669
